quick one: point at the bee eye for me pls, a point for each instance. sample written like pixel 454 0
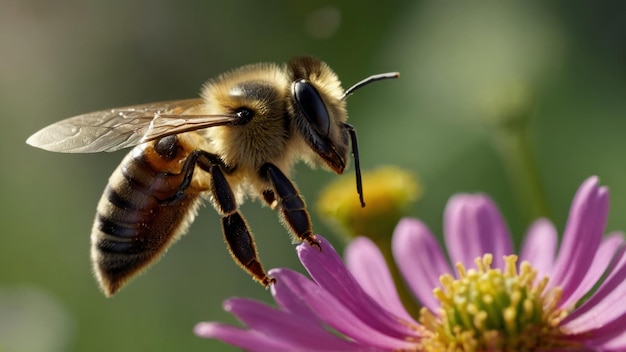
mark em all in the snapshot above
pixel 311 104
pixel 244 115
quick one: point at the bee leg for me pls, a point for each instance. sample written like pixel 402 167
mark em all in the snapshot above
pixel 270 198
pixel 242 248
pixel 205 161
pixel 236 232
pixel 292 207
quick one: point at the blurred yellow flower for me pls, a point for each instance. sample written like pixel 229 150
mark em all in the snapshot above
pixel 389 193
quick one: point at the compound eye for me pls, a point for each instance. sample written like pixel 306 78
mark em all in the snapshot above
pixel 311 104
pixel 244 115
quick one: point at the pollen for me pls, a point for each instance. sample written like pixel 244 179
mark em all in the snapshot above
pixel 489 309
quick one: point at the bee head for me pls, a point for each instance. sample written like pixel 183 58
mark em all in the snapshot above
pixel 318 112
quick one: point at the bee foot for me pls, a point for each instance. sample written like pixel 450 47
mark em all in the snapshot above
pixel 267 281
pixel 314 242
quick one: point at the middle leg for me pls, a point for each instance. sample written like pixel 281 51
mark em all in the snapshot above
pixel 237 235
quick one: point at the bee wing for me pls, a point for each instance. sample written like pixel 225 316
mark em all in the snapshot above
pixel 114 129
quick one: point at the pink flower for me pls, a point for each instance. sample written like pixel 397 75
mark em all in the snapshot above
pixel 570 300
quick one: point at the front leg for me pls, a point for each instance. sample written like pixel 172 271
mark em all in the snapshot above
pixel 292 207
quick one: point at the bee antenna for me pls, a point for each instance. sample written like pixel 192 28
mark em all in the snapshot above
pixel 369 80
pixel 357 162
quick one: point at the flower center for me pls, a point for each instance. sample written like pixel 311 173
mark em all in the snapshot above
pixel 490 310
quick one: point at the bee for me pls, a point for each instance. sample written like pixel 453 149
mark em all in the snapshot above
pixel 240 139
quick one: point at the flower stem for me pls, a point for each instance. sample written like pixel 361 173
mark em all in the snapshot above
pixel 513 143
pixel 406 297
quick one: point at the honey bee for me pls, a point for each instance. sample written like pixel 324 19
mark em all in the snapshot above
pixel 239 139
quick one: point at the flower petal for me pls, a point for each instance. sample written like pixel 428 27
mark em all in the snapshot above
pixel 420 260
pixel 294 330
pixel 539 247
pixel 617 344
pixel 582 236
pixel 334 313
pixel 328 270
pixel 294 303
pixel 288 301
pixel 473 227
pixel 369 268
pixel 246 339
pixel 606 304
pixel 606 252
pixel 610 336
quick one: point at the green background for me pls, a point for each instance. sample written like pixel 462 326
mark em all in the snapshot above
pixel 63 58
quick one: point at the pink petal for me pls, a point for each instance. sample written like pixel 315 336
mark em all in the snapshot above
pixel 294 330
pixel 583 232
pixel 420 260
pixel 606 304
pixel 334 313
pixel 601 261
pixel 473 227
pixel 328 270
pixel 616 344
pixel 539 247
pixel 246 339
pixel 368 266
pixel 288 301
pixel 609 336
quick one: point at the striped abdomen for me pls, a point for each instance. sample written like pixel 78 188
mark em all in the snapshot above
pixel 140 215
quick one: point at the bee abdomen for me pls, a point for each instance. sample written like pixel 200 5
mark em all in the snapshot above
pixel 123 219
pixel 135 222
pixel 119 200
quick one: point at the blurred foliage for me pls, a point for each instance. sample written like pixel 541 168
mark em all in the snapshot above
pixel 462 64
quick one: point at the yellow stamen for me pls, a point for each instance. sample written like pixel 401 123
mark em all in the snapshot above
pixel 489 309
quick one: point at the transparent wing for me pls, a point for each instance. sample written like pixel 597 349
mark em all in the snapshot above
pixel 114 129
